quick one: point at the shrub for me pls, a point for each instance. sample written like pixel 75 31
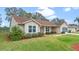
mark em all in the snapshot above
pixel 63 32
pixel 47 32
pixel 32 35
pixel 28 35
pixel 50 32
pixel 69 31
pixel 16 33
pixel 35 35
pixel 53 32
pixel 40 34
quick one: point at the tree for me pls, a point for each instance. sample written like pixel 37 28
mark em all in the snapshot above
pixel 29 15
pixel 58 21
pixel 4 29
pixel 38 16
pixel 77 20
pixel 0 20
pixel 24 14
pixel 21 12
pixel 9 12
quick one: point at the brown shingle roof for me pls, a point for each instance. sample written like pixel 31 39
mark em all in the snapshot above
pixel 45 23
pixel 21 20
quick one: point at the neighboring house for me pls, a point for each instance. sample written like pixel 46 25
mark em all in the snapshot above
pixel 61 26
pixel 78 28
pixel 37 25
pixel 72 28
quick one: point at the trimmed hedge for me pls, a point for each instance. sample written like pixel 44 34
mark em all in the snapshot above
pixel 50 32
pixel 32 35
pixel 40 34
pixel 62 32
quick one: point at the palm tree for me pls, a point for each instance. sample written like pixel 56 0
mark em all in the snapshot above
pixel 9 12
pixel 77 20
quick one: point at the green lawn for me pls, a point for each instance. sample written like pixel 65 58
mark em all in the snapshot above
pixel 46 43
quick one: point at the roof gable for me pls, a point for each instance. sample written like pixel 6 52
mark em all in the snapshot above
pixel 59 22
pixel 20 19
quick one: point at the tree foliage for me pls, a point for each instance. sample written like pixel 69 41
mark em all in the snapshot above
pixel 77 20
pixel 58 21
pixel 38 16
pixel 0 20
pixel 23 13
pixel 16 33
pixel 9 12
pixel 4 29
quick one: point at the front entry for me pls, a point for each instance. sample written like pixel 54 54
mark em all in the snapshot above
pixel 47 29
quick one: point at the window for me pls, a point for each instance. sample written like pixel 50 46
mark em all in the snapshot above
pixel 47 29
pixel 32 28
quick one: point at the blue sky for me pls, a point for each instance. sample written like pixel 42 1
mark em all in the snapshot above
pixel 67 13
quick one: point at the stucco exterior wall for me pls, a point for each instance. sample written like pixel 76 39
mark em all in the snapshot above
pixel 31 24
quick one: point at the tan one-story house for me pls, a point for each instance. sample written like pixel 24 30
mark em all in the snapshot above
pixel 37 25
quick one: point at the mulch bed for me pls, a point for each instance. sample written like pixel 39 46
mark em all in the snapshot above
pixel 76 46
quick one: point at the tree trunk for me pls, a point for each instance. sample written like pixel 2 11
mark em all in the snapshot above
pixel 10 23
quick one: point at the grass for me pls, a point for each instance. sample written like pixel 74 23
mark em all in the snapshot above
pixel 46 43
pixel 69 39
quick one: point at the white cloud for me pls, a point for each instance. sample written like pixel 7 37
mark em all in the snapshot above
pixel 71 8
pixel 51 17
pixel 67 9
pixel 45 11
pixel 75 8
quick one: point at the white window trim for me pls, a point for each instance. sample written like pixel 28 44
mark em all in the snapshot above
pixel 32 29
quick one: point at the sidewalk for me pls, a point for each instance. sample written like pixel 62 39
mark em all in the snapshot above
pixel 63 34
